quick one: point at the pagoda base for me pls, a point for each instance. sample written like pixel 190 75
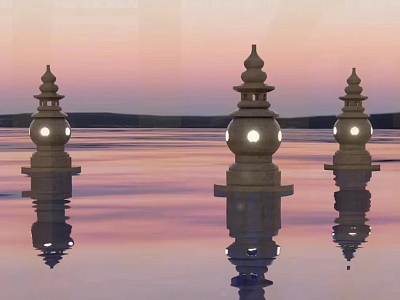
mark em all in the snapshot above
pixel 222 190
pixel 32 171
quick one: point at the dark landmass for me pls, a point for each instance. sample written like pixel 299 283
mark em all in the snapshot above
pixel 111 120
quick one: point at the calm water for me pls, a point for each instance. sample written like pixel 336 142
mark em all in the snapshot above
pixel 145 223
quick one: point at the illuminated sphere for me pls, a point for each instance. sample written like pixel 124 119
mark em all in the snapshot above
pixel 50 131
pixel 351 131
pixel 253 136
pixel 354 131
pixel 44 131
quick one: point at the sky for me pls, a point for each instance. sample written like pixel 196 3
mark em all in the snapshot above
pixel 182 57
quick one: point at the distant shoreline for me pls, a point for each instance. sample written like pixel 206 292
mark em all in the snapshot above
pixel 115 120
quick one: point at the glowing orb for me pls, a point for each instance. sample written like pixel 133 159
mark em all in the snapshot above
pixel 45 131
pixel 67 131
pixel 354 131
pixel 253 136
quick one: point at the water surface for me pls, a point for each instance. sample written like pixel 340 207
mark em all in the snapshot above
pixel 146 225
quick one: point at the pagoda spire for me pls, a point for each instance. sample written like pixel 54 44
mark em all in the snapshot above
pixel 254 76
pixel 253 86
pixel 353 90
pixel 49 95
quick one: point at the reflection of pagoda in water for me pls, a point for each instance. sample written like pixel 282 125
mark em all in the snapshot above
pixel 253 219
pixel 50 233
pixel 352 202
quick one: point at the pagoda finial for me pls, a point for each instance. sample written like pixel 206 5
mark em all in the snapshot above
pixel 253 65
pixel 48 88
pixel 353 90
pixel 48 80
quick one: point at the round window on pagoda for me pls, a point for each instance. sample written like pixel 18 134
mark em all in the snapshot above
pixel 45 131
pixel 253 136
pixel 354 131
pixel 280 135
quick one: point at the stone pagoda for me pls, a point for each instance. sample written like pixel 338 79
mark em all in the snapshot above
pixel 253 135
pixel 352 130
pixel 50 131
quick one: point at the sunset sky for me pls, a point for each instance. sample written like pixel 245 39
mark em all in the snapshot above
pixel 182 57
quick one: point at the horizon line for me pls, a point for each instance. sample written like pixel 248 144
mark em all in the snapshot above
pixel 198 116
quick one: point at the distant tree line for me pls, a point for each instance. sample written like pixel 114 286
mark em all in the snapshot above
pixel 111 120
